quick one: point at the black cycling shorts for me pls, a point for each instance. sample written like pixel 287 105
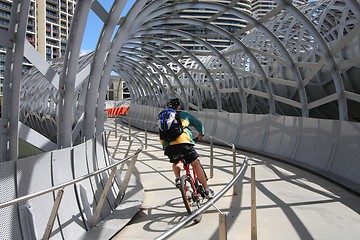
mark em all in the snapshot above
pixel 181 151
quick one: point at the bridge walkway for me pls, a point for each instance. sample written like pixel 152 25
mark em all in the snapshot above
pixel 291 203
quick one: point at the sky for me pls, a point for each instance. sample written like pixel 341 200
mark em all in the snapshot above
pixel 94 26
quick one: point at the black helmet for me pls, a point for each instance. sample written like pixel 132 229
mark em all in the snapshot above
pixel 173 103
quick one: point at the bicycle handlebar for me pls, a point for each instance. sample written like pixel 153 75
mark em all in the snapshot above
pixel 197 138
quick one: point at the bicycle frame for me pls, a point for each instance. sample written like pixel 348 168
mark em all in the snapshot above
pixel 191 191
pixel 193 177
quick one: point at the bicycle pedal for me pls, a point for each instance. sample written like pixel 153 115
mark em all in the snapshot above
pixel 197 197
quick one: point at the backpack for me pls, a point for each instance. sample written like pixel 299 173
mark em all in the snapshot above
pixel 170 126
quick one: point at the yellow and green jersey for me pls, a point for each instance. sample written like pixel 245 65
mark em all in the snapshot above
pixel 187 121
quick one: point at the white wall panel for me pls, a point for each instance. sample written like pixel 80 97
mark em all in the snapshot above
pixel 104 176
pixel 222 122
pixel 346 159
pixel 10 222
pixel 93 166
pixel 233 127
pixel 210 123
pixel 34 175
pixel 84 190
pixel 69 214
pixel 313 148
pixel 251 134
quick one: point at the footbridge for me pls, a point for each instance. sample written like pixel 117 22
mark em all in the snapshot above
pixel 282 86
pixel 289 202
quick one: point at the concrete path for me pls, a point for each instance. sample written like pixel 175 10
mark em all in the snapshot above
pixel 291 203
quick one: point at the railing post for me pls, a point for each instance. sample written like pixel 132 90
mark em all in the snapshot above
pixel 116 128
pixel 211 157
pixel 107 136
pixel 126 154
pixel 117 146
pixel 53 215
pixel 128 149
pixel 126 180
pixel 253 205
pixel 234 168
pixel 103 197
pixel 222 227
pixel 129 131
pixel 145 135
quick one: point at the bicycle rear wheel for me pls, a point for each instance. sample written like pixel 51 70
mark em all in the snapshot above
pixel 188 192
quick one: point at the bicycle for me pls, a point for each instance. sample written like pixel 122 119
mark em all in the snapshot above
pixel 192 191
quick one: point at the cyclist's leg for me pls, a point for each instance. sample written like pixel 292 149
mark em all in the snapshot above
pixel 192 157
pixel 199 172
pixel 172 152
pixel 209 193
pixel 176 167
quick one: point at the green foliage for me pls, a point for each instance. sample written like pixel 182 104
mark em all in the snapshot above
pixel 27 150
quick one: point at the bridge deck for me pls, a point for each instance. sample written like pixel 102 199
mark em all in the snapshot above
pixel 291 203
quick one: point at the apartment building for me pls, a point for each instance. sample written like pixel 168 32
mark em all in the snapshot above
pixel 225 21
pixel 47 30
pixel 260 7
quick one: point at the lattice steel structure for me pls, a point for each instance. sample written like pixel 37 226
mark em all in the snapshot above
pixel 293 61
pixel 275 90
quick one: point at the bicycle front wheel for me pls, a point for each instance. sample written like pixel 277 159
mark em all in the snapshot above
pixel 188 192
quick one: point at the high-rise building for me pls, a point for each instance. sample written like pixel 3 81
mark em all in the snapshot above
pixel 47 30
pixel 225 21
pixel 259 8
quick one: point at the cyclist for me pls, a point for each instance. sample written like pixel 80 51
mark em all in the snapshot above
pixel 184 146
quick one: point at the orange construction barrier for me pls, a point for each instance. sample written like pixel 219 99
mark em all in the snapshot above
pixel 113 112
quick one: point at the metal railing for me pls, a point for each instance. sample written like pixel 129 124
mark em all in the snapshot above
pixel 107 186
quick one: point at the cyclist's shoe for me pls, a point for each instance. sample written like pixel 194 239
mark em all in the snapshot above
pixel 188 194
pixel 209 193
pixel 177 182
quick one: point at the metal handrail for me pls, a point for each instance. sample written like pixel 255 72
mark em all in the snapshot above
pixel 209 203
pixel 100 204
pixel 76 180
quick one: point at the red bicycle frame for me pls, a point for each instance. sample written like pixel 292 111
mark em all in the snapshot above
pixel 193 177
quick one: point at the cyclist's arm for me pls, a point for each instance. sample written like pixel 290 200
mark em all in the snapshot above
pixel 193 121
